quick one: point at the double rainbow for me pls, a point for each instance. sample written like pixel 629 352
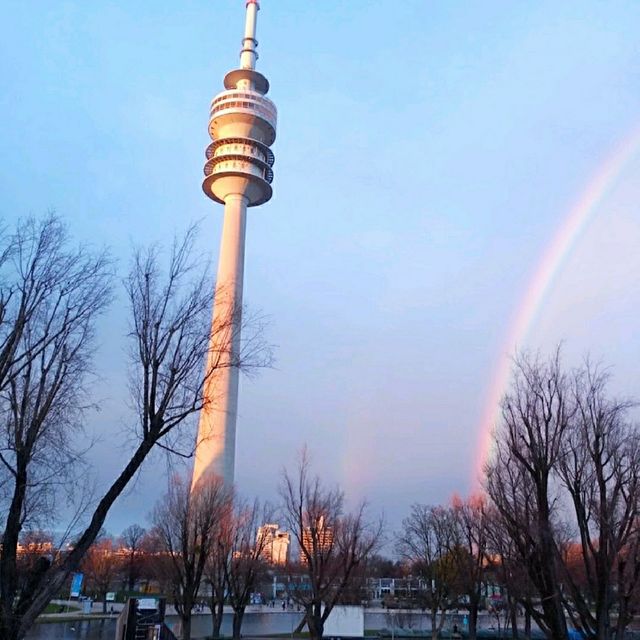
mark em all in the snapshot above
pixel 541 283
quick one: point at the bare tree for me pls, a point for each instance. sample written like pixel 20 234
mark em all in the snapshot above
pixel 152 568
pixel 332 543
pixel 565 480
pixel 101 566
pixel 600 468
pixel 536 415
pixel 427 542
pixel 132 539
pixel 186 523
pixel 246 564
pixel 379 566
pixel 470 547
pixel 50 296
pixel 36 551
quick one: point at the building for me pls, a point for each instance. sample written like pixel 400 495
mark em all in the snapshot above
pixel 275 544
pixel 238 174
pixel 393 591
pixel 318 537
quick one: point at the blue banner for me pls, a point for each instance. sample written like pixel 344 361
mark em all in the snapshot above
pixel 76 584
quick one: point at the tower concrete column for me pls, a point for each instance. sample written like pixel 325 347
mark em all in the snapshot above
pixel 216 444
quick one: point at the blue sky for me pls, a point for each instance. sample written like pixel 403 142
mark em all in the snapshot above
pixel 426 154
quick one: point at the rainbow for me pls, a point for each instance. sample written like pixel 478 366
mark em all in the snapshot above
pixel 541 283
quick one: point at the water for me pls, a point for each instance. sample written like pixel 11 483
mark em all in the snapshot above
pixel 83 630
pixel 255 623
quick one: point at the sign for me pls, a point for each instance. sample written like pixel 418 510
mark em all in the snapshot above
pixel 76 584
pixel 148 604
pixel 111 596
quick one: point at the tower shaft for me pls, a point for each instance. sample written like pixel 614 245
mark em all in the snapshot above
pixel 215 448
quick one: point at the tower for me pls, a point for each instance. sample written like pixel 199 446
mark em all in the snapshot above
pixel 238 174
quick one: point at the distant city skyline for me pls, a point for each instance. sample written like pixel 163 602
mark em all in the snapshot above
pixel 428 156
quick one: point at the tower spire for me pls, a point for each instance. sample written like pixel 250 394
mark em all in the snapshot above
pixel 248 54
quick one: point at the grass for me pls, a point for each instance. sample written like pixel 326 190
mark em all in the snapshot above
pixel 72 618
pixel 302 634
pixel 55 608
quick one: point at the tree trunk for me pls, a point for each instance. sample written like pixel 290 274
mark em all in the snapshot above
pixel 473 621
pixel 131 578
pixel 604 623
pixel 548 579
pixel 12 633
pixel 52 582
pixel 315 624
pixel 301 626
pixel 186 625
pixel 238 615
pixel 527 624
pixel 217 611
pixel 434 624
pixel 8 557
pixel 513 615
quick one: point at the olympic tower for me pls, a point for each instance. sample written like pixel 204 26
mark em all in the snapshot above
pixel 238 174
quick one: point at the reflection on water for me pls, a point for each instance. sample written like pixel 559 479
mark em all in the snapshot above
pixel 83 630
pixel 255 623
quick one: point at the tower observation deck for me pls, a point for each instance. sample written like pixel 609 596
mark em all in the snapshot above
pixel 238 174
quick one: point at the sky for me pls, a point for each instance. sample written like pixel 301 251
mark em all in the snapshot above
pixel 427 154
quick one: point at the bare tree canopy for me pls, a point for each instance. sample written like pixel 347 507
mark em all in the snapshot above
pixel 50 297
pixel 536 416
pixel 428 542
pixel 333 543
pixel 133 538
pixel 470 552
pixel 564 480
pixel 101 566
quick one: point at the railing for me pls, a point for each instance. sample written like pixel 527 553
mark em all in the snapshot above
pixel 243 100
pixel 255 147
pixel 241 164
